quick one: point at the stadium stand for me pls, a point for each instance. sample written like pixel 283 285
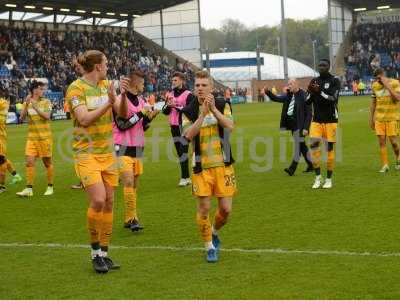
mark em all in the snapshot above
pixel 374 45
pixel 26 54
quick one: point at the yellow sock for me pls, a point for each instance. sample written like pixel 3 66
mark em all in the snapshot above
pixel 94 223
pixel 331 160
pixel 316 157
pixel 220 219
pixel 130 203
pixel 30 175
pixel 10 166
pixel 106 230
pixel 204 227
pixel 3 170
pixel 50 174
pixel 384 156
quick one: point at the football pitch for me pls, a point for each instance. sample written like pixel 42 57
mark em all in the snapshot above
pixel 283 240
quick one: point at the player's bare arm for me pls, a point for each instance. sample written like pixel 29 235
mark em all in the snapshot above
pixel 194 129
pixel 120 105
pixel 24 111
pixel 86 117
pixel 42 114
pixel 372 114
pixel 386 83
pixel 222 120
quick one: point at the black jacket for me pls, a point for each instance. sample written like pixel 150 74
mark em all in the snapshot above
pixel 325 103
pixel 302 111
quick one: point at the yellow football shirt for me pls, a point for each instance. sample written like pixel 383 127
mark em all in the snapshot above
pixel 387 109
pixel 38 127
pixel 210 142
pixel 96 138
pixel 4 106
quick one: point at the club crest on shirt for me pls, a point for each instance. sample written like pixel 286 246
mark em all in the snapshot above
pixel 74 101
pixel 327 85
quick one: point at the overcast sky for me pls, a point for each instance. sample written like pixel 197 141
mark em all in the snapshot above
pixel 259 12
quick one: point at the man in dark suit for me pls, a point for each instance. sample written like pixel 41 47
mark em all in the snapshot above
pixel 296 117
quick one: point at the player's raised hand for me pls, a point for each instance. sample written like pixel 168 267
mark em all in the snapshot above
pixel 210 100
pixel 314 87
pixel 205 109
pixel 124 85
pixel 170 101
pixel 147 108
pixel 28 99
pixel 112 95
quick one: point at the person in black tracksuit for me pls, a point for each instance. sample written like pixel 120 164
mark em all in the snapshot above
pixel 296 117
pixel 173 105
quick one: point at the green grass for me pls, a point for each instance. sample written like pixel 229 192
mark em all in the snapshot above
pixel 360 214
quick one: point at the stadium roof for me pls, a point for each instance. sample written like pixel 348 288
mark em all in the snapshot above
pixel 116 9
pixel 371 4
pixel 272 68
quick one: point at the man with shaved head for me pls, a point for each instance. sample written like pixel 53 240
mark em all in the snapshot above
pixel 296 117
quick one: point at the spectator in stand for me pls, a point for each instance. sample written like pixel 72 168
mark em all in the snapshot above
pixel 40 53
pixel 355 88
pixel 374 46
pixel 361 88
pixel 18 108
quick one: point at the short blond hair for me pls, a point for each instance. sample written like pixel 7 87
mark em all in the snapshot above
pixel 204 75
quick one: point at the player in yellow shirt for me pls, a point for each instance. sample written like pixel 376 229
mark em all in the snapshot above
pixel 208 122
pixel 5 164
pixel 39 143
pixel 91 99
pixel 385 115
pixel 79 72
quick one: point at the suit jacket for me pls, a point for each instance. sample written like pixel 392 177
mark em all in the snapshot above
pixel 302 111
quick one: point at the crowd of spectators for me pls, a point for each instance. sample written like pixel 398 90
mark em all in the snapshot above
pixel 374 46
pixel 26 54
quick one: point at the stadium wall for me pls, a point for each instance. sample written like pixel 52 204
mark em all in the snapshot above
pixel 176 28
pixel 340 19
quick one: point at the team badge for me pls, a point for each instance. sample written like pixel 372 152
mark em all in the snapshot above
pixel 75 101
pixel 326 86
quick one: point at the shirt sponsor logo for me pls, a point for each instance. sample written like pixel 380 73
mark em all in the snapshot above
pixel 96 102
pixel 32 112
pixel 209 120
pixel 382 93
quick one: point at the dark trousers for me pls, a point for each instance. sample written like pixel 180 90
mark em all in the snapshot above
pixel 182 148
pixel 300 149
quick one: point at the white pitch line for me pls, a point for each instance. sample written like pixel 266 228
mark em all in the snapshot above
pixel 238 250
